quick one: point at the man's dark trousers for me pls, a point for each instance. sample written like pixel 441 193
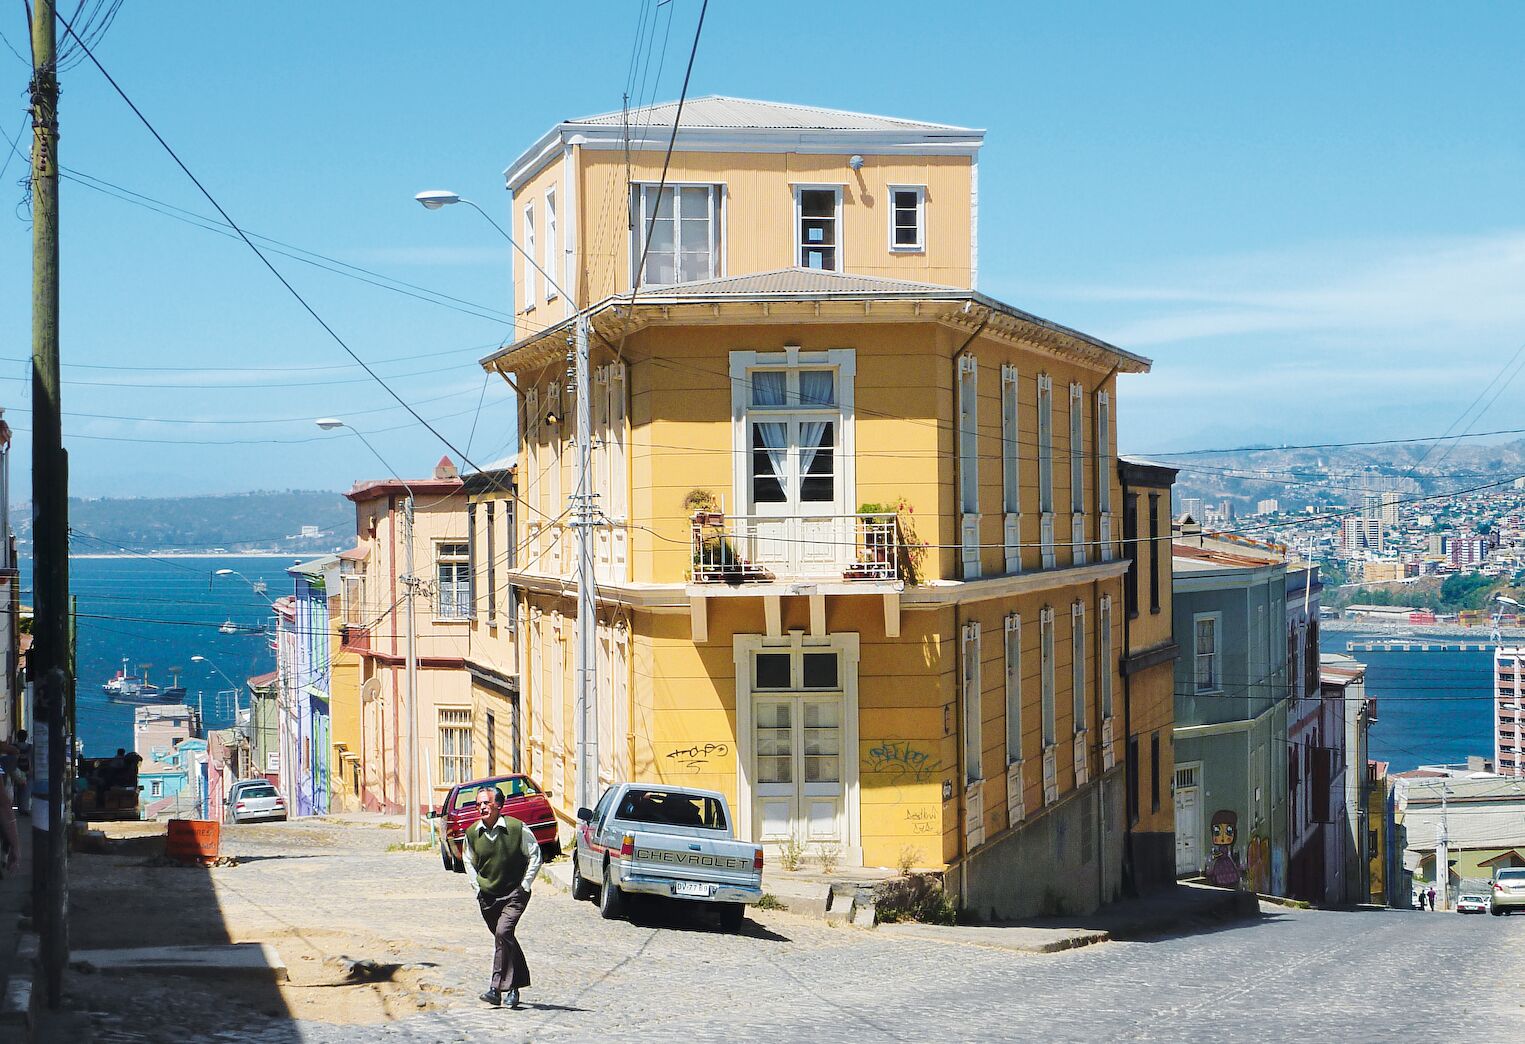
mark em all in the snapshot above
pixel 502 913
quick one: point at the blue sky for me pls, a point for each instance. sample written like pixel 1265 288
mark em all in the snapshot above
pixel 1309 215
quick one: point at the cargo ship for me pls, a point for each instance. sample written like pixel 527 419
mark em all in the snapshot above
pixel 136 689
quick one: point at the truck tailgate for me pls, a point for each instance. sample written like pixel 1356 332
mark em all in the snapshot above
pixel 716 860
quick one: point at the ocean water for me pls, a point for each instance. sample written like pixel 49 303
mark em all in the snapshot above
pixel 1432 707
pixel 163 612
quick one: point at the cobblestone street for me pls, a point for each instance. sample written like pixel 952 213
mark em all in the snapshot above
pixel 318 889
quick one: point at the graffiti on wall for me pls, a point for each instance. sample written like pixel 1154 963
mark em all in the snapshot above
pixel 1223 867
pixel 902 761
pixel 1258 864
pixel 696 757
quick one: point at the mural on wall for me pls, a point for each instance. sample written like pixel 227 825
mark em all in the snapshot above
pixel 1223 867
pixel 1278 871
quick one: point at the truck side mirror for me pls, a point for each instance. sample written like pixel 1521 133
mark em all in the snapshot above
pixel 585 815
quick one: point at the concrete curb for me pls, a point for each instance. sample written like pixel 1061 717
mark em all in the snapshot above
pixel 229 960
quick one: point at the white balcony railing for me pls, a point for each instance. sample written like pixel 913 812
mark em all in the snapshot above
pixel 738 549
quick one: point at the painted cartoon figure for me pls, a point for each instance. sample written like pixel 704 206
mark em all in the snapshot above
pixel 1223 869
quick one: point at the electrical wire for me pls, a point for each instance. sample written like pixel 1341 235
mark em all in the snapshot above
pixel 292 290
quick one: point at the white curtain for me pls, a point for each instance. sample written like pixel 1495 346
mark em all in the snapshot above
pixel 775 436
pixel 769 387
pixel 810 443
pixel 816 388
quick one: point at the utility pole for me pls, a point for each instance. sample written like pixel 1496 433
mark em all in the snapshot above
pixel 410 584
pixel 1443 856
pixel 49 658
pixel 583 521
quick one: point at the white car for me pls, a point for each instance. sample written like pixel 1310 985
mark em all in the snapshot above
pixel 1477 904
pixel 260 801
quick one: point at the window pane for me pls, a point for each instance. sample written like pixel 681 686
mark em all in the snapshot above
pixel 820 673
pixel 694 234
pixel 823 259
pixel 818 203
pixel 767 467
pixel 905 235
pixel 822 769
pixel 818 485
pixel 905 199
pixel 774 715
pixel 769 387
pixel 772 671
pixel 817 388
pixel 775 770
pixel 823 742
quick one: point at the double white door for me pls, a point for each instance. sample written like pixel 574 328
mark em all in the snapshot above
pixel 798 769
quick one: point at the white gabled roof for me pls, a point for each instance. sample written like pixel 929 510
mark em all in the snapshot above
pixel 721 124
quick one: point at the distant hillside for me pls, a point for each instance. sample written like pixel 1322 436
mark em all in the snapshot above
pixel 259 521
pixel 1298 478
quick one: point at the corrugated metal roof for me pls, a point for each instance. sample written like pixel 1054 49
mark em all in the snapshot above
pixel 720 112
pixel 795 281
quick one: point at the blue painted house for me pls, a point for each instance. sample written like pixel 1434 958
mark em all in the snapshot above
pixel 303 644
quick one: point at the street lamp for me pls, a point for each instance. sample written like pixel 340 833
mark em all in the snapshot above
pixel 583 520
pixel 410 585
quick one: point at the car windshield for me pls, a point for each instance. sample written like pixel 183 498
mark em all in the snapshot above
pixel 513 787
pixel 673 809
pixel 266 791
pixel 1514 874
pixel 1471 898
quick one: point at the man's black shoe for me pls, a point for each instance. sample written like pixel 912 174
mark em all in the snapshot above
pixel 512 998
pixel 494 998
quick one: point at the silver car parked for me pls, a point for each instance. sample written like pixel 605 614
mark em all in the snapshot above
pixel 258 801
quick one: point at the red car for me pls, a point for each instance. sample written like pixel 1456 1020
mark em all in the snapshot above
pixel 525 801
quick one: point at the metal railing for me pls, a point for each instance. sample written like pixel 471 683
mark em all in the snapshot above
pixel 739 549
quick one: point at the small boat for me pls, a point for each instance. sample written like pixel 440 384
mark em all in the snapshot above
pixel 136 689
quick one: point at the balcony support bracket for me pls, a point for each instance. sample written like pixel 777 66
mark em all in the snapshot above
pixel 892 615
pixel 699 617
pixel 773 613
pixel 818 616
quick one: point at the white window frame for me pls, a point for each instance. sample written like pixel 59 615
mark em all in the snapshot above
pixel 1013 636
pixel 969 464
pixel 1216 668
pixel 642 219
pixel 799 220
pixel 1046 665
pixel 1104 655
pixel 527 242
pixel 969 674
pixel 1104 472
pixel 1046 469
pixel 460 608
pixel 1078 664
pixel 1011 467
pixel 451 720
pixel 550 242
pixel 844 362
pixel 1077 474
pixel 920 246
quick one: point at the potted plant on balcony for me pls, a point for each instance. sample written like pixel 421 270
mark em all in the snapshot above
pixel 884 549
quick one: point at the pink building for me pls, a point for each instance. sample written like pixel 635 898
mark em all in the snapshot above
pixel 1509 710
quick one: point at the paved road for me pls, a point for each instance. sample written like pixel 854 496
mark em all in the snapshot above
pixel 1345 976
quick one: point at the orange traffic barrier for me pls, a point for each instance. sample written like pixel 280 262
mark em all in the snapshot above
pixel 193 840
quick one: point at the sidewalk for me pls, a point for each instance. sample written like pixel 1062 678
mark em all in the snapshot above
pixel 1182 908
pixel 15 970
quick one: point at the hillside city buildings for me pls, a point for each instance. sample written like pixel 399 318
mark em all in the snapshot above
pixel 865 558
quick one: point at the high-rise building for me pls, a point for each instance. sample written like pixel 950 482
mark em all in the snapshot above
pixel 1360 534
pixel 1268 507
pixel 1390 502
pixel 1192 506
pixel 1509 710
pixel 1226 511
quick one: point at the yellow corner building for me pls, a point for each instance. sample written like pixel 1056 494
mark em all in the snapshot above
pixel 859 560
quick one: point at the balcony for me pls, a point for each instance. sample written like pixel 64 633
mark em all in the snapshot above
pixel 741 549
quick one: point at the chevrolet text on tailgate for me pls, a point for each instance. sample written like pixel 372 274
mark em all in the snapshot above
pixel 651 839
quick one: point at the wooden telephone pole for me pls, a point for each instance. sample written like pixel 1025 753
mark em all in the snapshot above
pixel 52 686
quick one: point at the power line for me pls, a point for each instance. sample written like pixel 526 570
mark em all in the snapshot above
pixel 292 290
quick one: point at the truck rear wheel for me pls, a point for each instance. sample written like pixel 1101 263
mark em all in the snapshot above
pixel 611 901
pixel 731 915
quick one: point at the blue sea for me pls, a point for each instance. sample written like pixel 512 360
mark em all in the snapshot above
pixel 162 612
pixel 1432 707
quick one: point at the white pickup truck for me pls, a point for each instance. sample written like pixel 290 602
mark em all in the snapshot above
pixel 652 839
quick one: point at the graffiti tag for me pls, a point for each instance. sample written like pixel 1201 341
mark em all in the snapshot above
pixel 698 756
pixel 900 760
pixel 922 820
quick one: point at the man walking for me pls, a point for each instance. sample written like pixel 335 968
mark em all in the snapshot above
pixel 502 859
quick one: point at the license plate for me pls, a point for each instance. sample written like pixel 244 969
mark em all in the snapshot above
pixel 693 888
